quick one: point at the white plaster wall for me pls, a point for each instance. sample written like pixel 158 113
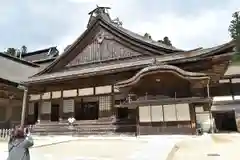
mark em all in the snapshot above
pixel 70 93
pixel 169 113
pixel 103 89
pixel 46 95
pixel 183 112
pixel 157 113
pixel 85 91
pixel 56 94
pixel 144 113
pixel 33 97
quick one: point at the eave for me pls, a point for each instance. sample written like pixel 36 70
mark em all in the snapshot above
pixel 19 60
pixel 114 68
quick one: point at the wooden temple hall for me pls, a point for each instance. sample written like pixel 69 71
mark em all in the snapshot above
pixel 112 74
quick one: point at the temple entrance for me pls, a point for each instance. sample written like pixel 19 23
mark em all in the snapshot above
pixel 55 112
pixel 90 110
pixel 36 110
pixel 122 113
pixel 86 111
pixel 78 111
pixel 225 121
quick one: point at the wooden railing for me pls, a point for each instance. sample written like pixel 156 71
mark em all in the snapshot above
pixel 6 133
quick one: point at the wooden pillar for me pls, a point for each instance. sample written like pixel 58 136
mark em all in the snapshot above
pixel 61 107
pixel 24 106
pixel 39 109
pixel 113 109
pixel 26 112
pixel 138 130
pixel 193 117
pixel 8 112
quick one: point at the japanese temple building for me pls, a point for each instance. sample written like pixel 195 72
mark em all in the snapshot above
pixel 112 74
pixel 13 72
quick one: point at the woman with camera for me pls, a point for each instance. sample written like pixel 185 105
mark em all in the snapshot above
pixel 19 144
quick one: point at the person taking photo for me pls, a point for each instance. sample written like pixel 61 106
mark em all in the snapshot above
pixel 19 144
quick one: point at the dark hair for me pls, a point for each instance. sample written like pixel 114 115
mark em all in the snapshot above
pixel 18 133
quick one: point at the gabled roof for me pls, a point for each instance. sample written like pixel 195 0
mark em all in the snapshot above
pixel 16 70
pixel 154 47
pixel 41 55
pixel 162 52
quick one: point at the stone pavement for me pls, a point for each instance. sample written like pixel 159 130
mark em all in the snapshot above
pixel 64 148
pixel 39 141
pixel 207 147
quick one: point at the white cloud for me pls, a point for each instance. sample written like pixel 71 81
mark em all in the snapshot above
pixel 205 29
pixel 59 22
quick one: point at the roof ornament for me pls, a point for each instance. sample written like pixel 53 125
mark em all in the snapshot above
pixel 117 22
pixel 100 37
pixel 99 11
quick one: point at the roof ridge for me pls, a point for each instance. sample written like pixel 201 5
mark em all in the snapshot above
pixel 34 52
pixel 18 60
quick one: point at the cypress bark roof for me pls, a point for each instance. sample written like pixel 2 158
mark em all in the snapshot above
pixel 16 70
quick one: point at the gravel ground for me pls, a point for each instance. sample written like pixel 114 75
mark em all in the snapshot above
pixel 207 147
pixel 103 148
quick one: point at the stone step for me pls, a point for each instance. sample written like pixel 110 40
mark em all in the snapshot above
pixel 84 122
pixel 86 127
pixel 79 128
pixel 76 132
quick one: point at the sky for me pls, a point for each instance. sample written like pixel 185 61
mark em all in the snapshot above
pixel 44 23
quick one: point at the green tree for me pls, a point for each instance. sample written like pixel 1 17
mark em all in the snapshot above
pixel 234 29
pixel 11 51
pixel 16 52
pixel 23 49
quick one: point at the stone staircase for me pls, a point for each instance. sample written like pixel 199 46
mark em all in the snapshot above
pixel 104 126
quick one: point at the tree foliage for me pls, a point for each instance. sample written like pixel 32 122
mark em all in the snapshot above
pixel 23 49
pixel 11 51
pixel 234 29
pixel 16 52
